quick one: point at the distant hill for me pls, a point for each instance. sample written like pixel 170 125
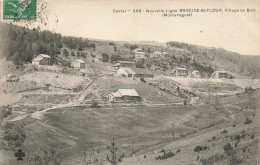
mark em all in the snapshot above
pixel 21 44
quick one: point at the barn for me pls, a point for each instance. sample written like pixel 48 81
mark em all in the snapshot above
pixel 134 72
pixel 220 74
pixel 180 72
pixel 42 59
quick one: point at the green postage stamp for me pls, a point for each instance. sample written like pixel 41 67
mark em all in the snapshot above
pixel 19 10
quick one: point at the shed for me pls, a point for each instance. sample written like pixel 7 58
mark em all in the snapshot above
pixel 124 95
pixel 42 59
pixel 78 64
pixel 180 72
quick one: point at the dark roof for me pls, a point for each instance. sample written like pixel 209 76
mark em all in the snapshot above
pixel 141 71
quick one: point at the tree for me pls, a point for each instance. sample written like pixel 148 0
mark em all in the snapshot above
pixel 113 158
pixel 78 54
pixel 140 63
pixel 49 157
pixel 105 57
pixel 232 154
pixel 115 58
pixel 72 53
pixel 65 52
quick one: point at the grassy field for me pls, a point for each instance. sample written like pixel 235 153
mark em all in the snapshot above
pixel 73 130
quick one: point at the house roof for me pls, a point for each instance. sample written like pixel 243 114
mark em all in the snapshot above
pixel 45 56
pixel 164 53
pixel 181 68
pixel 116 94
pixel 141 71
pixel 220 71
pixel 177 68
pixel 126 62
pixel 127 92
pixel 79 60
pixel 116 65
pixel 40 57
pixel 157 52
pixel 129 70
pixel 139 52
pixel 137 49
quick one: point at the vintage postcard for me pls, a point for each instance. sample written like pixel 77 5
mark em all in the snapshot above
pixel 129 82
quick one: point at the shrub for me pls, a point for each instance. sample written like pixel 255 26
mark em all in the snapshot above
pixel 214 138
pixel 94 105
pixel 224 131
pixel 248 121
pixel 5 111
pixel 237 137
pixel 105 57
pixel 165 155
pixel 200 148
pixel 142 79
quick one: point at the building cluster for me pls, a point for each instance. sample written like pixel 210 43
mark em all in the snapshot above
pixel 44 59
pixel 128 69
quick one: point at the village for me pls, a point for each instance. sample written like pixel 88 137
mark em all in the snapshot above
pixel 129 70
pixel 157 102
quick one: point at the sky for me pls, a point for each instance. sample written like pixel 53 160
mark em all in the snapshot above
pixel 238 32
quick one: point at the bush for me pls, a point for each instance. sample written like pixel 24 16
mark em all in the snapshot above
pixel 200 148
pixel 214 138
pixel 142 79
pixel 248 121
pixel 165 155
pixel 13 135
pixel 94 105
pixel 224 131
pixel 105 57
pixel 249 89
pixel 111 43
pixel 5 111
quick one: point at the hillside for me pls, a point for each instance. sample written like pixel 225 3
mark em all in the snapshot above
pixel 63 49
pixel 64 112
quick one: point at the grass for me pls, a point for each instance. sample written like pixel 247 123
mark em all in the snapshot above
pixel 73 129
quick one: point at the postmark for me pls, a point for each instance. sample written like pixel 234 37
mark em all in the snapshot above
pixel 19 10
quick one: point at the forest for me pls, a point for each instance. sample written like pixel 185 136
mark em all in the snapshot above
pixel 21 45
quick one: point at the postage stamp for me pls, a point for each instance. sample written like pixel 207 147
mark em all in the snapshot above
pixel 19 10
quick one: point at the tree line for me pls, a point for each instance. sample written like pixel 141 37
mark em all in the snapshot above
pixel 22 45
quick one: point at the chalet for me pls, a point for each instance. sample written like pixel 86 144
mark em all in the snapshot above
pixel 42 59
pixel 195 74
pixel 78 64
pixel 124 95
pixel 127 64
pixel 124 64
pixel 139 55
pixel 165 53
pixel 142 72
pixel 136 50
pixel 180 72
pixel 156 54
pixel 220 74
pixel 116 66
pixel 134 72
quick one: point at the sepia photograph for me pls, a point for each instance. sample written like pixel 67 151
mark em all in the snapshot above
pixel 129 82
